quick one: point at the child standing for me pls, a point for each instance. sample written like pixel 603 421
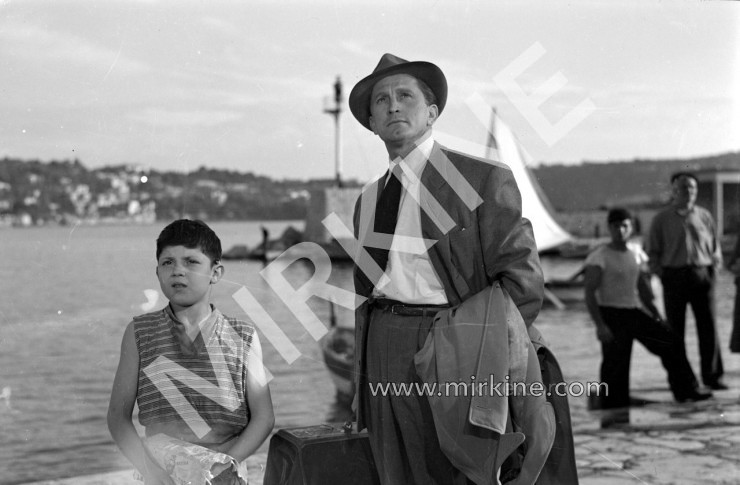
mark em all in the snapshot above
pixel 620 301
pixel 196 375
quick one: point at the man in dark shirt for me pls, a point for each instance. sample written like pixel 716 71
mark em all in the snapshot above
pixel 685 253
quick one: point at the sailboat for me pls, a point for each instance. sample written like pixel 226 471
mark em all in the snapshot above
pixel 536 207
pixel 501 145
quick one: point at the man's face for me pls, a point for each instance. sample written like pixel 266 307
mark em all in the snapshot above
pixel 399 114
pixel 685 190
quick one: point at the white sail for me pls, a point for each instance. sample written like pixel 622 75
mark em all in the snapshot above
pixel 547 232
pixel 503 146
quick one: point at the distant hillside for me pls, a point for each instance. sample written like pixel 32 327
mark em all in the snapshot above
pixel 35 192
pixel 593 185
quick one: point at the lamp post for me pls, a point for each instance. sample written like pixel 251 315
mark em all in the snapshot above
pixel 336 110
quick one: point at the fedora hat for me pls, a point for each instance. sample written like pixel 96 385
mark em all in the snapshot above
pixel 359 98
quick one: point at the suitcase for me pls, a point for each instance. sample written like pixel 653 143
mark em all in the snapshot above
pixel 320 455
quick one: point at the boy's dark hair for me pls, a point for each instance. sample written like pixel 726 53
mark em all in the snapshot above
pixel 618 214
pixel 191 234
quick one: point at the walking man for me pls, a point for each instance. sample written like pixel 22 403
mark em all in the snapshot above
pixel 685 253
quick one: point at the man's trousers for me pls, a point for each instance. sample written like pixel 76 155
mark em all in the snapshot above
pixel 400 424
pixel 694 285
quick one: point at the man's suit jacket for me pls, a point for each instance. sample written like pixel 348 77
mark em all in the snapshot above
pixel 488 242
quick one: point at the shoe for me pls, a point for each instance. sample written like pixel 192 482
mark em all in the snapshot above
pixel 717 386
pixel 696 396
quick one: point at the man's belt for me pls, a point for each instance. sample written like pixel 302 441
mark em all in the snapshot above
pixel 687 267
pixel 406 309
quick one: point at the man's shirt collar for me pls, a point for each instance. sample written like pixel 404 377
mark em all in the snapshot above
pixel 418 156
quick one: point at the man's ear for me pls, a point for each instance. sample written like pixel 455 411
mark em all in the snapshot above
pixel 433 114
pixel 371 121
pixel 217 272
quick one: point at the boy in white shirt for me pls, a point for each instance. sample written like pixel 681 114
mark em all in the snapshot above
pixel 620 301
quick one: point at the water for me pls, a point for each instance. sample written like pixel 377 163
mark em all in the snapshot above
pixel 68 293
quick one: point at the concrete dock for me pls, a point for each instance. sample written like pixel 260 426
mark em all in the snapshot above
pixel 663 443
pixel 657 442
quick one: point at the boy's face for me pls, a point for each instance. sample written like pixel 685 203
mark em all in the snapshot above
pixel 620 231
pixel 186 275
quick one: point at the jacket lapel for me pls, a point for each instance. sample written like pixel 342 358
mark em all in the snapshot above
pixel 436 221
pixel 364 219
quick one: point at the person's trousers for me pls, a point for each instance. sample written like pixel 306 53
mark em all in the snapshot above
pixel 694 285
pixel 399 420
pixel 735 336
pixel 627 325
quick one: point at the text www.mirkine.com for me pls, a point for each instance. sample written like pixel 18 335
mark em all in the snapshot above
pixel 488 388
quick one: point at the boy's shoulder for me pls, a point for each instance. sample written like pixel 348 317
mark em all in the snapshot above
pixel 151 323
pixel 151 317
pixel 596 253
pixel 238 324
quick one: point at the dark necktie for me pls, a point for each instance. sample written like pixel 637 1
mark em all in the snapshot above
pixel 386 214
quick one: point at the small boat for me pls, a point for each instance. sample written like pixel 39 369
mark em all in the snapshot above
pixel 270 249
pixel 338 348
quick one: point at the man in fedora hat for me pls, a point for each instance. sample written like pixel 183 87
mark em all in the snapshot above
pixel 453 226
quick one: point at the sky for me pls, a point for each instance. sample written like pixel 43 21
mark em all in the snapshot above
pixel 245 85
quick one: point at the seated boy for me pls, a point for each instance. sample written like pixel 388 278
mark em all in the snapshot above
pixel 196 375
pixel 620 301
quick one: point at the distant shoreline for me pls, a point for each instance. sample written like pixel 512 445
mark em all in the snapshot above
pixel 126 222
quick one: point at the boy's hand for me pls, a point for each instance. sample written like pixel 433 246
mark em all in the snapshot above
pixel 155 474
pixel 604 334
pixel 158 477
pixel 224 475
pixel 658 318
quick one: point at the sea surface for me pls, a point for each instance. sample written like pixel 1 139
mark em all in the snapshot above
pixel 67 294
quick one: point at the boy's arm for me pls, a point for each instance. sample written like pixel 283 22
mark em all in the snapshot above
pixel 655 247
pixel 645 290
pixel 120 409
pixel 262 417
pixel 592 280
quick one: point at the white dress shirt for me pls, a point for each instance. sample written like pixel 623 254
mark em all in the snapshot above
pixel 410 276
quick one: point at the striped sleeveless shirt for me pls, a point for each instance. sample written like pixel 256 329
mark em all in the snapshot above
pixel 201 383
